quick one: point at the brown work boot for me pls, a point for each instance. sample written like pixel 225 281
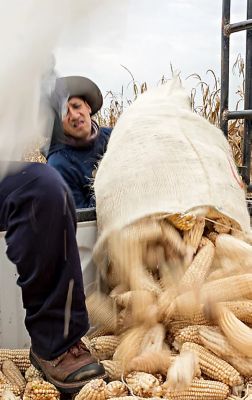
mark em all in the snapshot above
pixel 71 370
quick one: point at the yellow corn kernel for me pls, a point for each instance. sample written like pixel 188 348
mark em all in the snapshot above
pixel 183 222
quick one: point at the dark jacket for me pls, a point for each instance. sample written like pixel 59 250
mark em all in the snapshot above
pixel 77 165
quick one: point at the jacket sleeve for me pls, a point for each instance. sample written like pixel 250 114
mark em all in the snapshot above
pixel 70 174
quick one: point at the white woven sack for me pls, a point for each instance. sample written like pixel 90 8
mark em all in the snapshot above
pixel 163 158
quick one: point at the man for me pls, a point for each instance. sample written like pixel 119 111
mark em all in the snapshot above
pixel 37 212
pixel 78 143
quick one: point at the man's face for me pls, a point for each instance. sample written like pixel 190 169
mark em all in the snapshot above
pixel 77 121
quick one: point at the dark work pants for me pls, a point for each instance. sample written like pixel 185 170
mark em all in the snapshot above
pixel 37 211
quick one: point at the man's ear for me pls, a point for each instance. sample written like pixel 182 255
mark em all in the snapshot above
pixel 88 107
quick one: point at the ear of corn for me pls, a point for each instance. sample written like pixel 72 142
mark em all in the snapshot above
pixel 127 398
pixel 103 347
pixel 93 390
pixel 12 373
pixel 143 384
pixel 114 369
pixel 212 236
pixel 6 385
pixel 241 309
pixel 231 288
pixel 102 312
pixel 153 339
pixel 151 362
pixel 123 299
pixel 124 320
pixel 242 364
pixel 116 389
pixel 238 334
pixel 193 236
pixel 183 222
pixel 233 248
pixel 40 390
pixel 8 395
pixel 153 256
pixel 32 374
pixel 188 334
pixel 216 342
pixel 200 389
pixel 119 289
pixel 196 273
pixel 182 372
pixel 19 356
pixel 213 366
pixel 175 243
pixel 130 344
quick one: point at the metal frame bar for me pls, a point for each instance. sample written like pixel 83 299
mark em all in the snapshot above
pixel 238 26
pixel 248 101
pixel 238 114
pixel 246 114
pixel 225 46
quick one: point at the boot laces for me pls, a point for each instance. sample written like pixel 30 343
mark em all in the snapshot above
pixel 78 349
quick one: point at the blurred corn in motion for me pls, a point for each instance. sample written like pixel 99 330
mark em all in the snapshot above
pixel 173 244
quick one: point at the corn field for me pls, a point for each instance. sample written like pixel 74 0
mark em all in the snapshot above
pixel 205 100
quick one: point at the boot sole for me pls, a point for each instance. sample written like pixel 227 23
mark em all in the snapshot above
pixel 66 388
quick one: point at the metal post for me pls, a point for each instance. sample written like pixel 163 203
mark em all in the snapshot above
pixel 248 101
pixel 224 65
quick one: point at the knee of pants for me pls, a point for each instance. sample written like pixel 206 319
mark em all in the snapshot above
pixel 49 187
pixel 39 219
